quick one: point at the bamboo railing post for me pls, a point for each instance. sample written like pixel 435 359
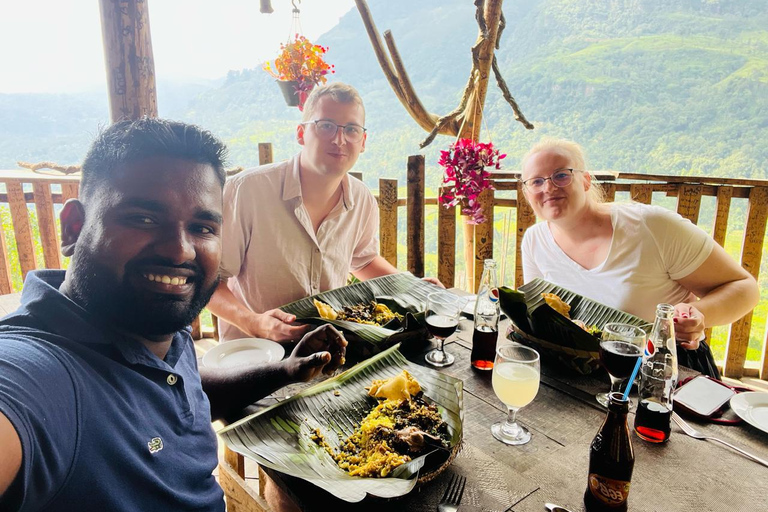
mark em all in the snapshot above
pixel 751 254
pixel 446 245
pixel 415 206
pixel 6 284
pixel 21 226
pixel 47 224
pixel 641 192
pixel 265 153
pixel 525 219
pixel 689 202
pixel 483 237
pixel 388 220
pixel 129 60
pixel 723 208
pixel 609 189
pixel 69 191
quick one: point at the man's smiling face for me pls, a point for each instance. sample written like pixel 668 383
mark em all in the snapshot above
pixel 148 255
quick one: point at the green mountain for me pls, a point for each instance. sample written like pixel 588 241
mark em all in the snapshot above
pixel 679 86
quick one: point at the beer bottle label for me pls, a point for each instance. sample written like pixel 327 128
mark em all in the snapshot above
pixel 609 491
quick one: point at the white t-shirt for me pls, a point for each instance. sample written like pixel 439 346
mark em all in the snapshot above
pixel 651 248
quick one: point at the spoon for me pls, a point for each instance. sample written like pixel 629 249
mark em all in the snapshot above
pixel 555 508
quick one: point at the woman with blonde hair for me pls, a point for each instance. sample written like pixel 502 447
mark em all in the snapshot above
pixel 628 256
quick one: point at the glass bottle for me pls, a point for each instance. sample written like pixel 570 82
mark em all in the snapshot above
pixel 658 377
pixel 611 460
pixel 487 313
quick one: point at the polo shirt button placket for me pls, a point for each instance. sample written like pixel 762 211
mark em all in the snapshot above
pixel 171 379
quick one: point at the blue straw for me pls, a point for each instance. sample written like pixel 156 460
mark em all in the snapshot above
pixel 632 377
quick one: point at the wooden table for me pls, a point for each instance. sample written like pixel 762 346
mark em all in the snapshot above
pixel 682 474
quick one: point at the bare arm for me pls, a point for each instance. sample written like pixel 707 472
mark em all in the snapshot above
pixel 231 390
pixel 727 292
pixel 10 462
pixel 273 324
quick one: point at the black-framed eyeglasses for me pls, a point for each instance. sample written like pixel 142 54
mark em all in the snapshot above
pixel 560 178
pixel 327 130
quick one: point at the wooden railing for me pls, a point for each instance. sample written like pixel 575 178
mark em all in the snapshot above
pixel 44 192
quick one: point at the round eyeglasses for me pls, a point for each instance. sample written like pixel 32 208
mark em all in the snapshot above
pixel 560 178
pixel 327 130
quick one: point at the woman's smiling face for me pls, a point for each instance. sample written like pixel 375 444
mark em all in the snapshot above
pixel 554 203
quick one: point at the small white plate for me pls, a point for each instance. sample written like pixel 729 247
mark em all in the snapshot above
pixel 469 308
pixel 752 408
pixel 243 351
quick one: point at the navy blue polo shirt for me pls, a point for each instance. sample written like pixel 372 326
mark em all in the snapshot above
pixel 104 424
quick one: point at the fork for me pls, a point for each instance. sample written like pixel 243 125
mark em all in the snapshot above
pixel 688 429
pixel 452 496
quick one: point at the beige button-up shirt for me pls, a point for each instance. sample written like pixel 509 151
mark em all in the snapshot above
pixel 271 253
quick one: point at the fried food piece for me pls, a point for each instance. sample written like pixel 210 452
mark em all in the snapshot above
pixel 557 304
pixel 326 312
pixel 400 387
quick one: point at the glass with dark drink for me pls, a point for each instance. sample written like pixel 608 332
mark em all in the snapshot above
pixel 442 318
pixel 652 421
pixel 620 348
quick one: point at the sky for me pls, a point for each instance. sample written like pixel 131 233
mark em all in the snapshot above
pixel 55 46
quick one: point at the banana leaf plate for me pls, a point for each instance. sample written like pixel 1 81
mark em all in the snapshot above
pixel 556 335
pixel 403 293
pixel 279 437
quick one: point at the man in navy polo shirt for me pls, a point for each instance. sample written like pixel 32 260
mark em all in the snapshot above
pixel 101 403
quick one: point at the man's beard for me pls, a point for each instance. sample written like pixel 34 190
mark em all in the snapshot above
pixel 119 304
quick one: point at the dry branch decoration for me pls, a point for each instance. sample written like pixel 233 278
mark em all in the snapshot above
pixel 474 92
pixel 64 169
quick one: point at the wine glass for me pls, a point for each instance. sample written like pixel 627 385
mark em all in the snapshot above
pixel 442 318
pixel 620 348
pixel 516 375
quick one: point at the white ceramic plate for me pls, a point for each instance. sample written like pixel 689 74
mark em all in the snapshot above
pixel 752 408
pixel 243 351
pixel 469 308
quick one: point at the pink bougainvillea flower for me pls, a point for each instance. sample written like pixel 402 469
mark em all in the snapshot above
pixel 465 176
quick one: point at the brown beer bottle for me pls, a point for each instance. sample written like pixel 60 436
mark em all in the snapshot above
pixel 611 460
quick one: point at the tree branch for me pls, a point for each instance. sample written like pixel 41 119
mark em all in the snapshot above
pixel 65 169
pixel 508 96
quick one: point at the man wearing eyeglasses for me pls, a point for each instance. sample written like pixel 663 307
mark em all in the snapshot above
pixel 298 227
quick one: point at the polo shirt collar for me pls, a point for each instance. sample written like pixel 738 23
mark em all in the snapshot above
pixel 292 184
pixel 42 299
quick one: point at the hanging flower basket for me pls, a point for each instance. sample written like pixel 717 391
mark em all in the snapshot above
pixel 299 67
pixel 294 92
pixel 465 176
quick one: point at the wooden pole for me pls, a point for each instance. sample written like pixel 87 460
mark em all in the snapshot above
pixel 483 52
pixel 128 58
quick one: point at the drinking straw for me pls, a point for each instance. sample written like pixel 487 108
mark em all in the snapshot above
pixel 632 377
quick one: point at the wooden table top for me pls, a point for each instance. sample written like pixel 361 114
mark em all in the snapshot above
pixel 682 474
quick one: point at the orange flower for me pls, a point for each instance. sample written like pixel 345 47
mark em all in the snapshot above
pixel 302 61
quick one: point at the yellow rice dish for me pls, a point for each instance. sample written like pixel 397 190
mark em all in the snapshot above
pixel 397 430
